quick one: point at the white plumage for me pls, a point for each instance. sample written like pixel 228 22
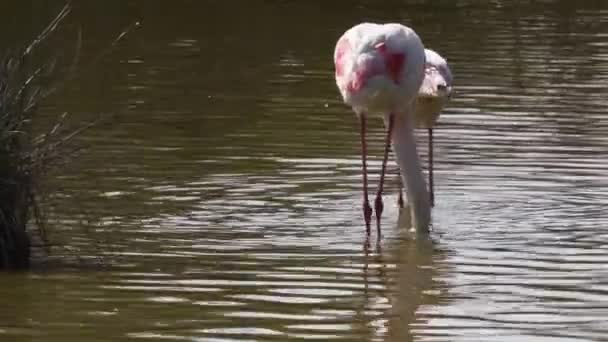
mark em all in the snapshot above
pixel 369 78
pixel 380 69
pixel 435 90
pixel 434 93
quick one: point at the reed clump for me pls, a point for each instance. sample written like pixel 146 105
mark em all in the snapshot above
pixel 27 157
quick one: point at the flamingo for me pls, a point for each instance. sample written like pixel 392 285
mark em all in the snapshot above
pixel 379 71
pixel 434 93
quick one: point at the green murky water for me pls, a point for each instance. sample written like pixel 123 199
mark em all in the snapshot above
pixel 224 200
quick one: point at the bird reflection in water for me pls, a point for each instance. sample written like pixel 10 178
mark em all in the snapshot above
pixel 398 281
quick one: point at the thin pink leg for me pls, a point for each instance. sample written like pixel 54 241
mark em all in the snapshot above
pixel 378 203
pixel 367 209
pixel 400 200
pixel 430 169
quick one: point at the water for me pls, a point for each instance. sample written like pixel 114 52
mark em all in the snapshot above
pixel 222 202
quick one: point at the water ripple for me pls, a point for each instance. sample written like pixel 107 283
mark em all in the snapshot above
pixel 228 197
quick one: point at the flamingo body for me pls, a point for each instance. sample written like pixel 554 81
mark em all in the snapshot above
pixel 435 90
pixel 379 67
pixel 433 94
pixel 379 70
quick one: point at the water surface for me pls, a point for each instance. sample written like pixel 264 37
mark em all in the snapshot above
pixel 222 201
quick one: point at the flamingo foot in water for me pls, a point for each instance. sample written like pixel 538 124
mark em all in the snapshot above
pixel 400 200
pixel 367 209
pixel 379 206
pixel 367 215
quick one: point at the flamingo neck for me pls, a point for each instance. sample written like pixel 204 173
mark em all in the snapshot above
pixel 404 146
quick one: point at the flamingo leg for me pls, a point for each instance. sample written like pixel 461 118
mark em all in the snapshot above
pixel 430 170
pixel 400 200
pixel 378 203
pixel 367 209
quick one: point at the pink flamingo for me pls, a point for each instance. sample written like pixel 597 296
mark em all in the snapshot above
pixel 379 71
pixel 434 93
